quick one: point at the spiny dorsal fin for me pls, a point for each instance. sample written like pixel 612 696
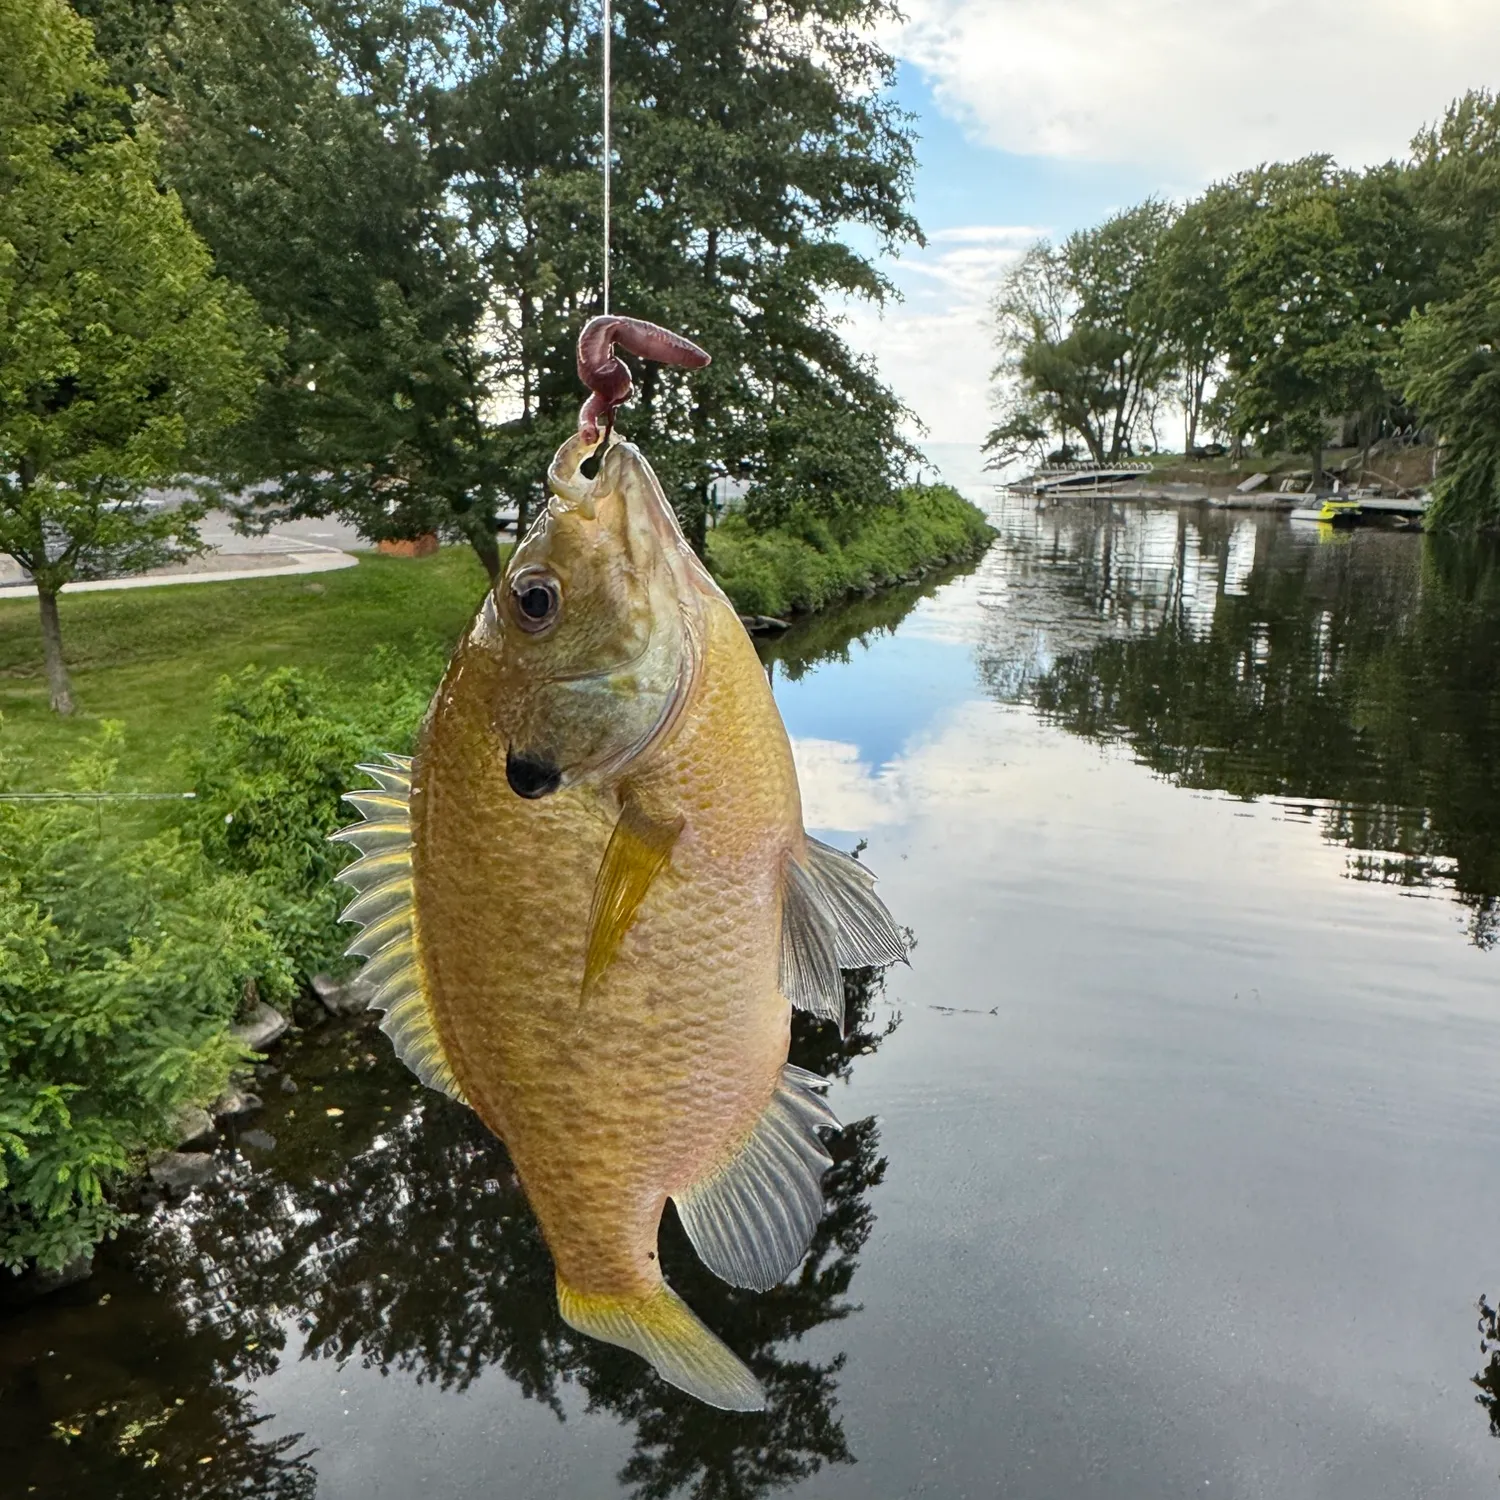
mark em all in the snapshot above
pixel 751 1219
pixel 383 907
pixel 638 849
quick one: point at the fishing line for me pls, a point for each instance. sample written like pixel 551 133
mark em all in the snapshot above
pixel 608 34
pixel 97 796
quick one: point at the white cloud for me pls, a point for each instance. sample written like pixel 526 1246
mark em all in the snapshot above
pixel 1197 89
pixel 934 347
pixel 842 792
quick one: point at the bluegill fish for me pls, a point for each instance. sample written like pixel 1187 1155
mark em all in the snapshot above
pixel 591 906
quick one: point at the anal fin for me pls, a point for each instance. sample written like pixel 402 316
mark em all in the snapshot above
pixel 637 852
pixel 663 1329
pixel 751 1219
pixel 831 919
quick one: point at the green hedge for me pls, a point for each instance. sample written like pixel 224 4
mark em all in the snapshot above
pixel 805 565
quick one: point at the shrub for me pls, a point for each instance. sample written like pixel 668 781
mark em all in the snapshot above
pixel 809 560
pixel 280 752
pixel 123 958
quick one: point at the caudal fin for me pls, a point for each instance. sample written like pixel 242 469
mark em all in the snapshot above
pixel 662 1328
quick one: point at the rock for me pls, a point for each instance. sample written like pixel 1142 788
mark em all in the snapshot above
pixel 19 1291
pixel 266 1025
pixel 760 624
pixel 288 1085
pixel 179 1171
pixel 342 997
pixel 192 1123
pixel 234 1103
pixel 259 1140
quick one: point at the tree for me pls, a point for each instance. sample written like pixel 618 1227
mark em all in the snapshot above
pixel 427 179
pixel 1455 177
pixel 1448 351
pixel 1084 337
pixel 320 125
pixel 1033 309
pixel 1196 253
pixel 1451 357
pixel 1326 267
pixel 120 352
pixel 748 137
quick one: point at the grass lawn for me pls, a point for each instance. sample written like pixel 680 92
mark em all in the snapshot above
pixel 150 657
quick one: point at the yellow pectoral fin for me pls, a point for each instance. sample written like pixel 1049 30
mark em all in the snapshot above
pixel 638 850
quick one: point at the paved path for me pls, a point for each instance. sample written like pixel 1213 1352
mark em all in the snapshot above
pixel 315 546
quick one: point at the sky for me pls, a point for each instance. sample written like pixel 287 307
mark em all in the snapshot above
pixel 1037 117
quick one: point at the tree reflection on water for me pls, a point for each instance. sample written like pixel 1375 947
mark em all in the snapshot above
pixel 397 1236
pixel 1358 682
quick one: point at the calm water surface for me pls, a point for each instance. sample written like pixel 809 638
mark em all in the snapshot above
pixel 1173 1164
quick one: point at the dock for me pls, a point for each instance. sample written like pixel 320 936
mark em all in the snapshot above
pixel 1132 481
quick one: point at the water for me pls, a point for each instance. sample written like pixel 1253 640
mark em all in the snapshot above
pixel 1172 1167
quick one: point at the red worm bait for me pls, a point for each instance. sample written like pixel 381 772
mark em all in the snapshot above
pixel 606 375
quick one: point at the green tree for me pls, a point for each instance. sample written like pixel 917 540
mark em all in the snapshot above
pixel 748 137
pixel 1196 253
pixel 1448 350
pixel 321 125
pixel 425 179
pixel 1325 266
pixel 120 353
pixel 1451 357
pixel 1084 337
pixel 1455 177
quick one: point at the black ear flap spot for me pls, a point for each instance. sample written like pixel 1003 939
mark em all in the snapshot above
pixel 530 775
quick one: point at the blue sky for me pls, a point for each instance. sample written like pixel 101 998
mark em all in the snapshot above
pixel 1037 117
pixel 961 181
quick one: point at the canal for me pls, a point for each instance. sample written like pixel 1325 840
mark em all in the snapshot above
pixel 1167 1171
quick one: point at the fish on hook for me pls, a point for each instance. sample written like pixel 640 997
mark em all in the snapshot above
pixel 591 905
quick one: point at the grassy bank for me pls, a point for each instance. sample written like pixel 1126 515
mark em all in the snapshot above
pixel 1407 468
pixel 785 572
pixel 151 657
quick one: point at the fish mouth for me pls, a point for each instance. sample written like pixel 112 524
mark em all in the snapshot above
pixel 531 775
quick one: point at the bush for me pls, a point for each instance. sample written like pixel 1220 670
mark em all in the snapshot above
pixel 810 561
pixel 123 960
pixel 279 754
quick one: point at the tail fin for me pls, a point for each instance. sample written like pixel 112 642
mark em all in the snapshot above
pixel 663 1329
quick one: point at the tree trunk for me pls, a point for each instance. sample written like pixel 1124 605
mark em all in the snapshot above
pixel 1317 465
pixel 697 528
pixel 482 539
pixel 52 652
pixel 1194 410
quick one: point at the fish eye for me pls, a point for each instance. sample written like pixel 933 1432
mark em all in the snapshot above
pixel 535 601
